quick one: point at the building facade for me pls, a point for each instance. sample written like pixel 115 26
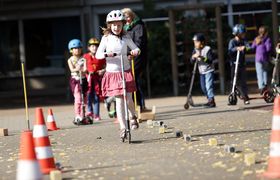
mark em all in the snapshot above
pixel 37 33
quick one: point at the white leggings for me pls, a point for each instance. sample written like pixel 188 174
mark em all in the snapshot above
pixel 121 111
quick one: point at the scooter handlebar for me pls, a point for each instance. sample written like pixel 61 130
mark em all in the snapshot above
pixel 115 54
pixel 107 55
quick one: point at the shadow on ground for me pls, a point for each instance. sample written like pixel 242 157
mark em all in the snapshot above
pixel 15 102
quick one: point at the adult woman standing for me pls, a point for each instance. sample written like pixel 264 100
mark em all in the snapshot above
pixel 136 29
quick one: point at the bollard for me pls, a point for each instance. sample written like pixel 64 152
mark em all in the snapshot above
pixel 157 123
pixel 187 137
pixel 229 149
pixel 179 134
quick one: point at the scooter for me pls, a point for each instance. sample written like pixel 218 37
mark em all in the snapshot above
pixel 85 120
pixel 274 90
pixel 127 129
pixel 268 94
pixel 189 97
pixel 232 98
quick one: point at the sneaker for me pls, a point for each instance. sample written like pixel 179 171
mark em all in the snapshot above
pixel 90 114
pixel 246 102
pixel 112 113
pixel 77 120
pixel 96 118
pixel 133 123
pixel 122 134
pixel 211 103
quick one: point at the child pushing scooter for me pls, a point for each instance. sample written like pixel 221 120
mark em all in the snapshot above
pixel 78 82
pixel 118 79
pixel 237 49
pixel 203 58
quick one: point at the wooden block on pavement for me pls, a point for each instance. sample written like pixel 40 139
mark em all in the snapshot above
pixel 55 175
pixel 148 114
pixel 3 132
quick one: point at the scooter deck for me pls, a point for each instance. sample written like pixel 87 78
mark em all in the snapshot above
pixel 198 105
pixel 253 98
pixel 192 104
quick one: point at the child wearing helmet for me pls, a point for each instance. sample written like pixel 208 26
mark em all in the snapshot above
pixel 205 57
pixel 238 43
pixel 77 67
pixel 113 45
pixel 95 69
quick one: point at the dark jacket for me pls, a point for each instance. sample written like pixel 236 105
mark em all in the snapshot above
pixel 232 51
pixel 137 31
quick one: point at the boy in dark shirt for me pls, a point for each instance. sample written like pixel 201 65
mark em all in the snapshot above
pixel 238 43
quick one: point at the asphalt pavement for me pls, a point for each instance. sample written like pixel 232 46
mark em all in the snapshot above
pixel 95 151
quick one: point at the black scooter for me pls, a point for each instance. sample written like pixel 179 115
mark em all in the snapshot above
pixel 274 90
pixel 235 92
pixel 85 120
pixel 268 95
pixel 189 97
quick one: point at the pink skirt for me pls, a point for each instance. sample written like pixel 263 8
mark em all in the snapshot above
pixel 112 83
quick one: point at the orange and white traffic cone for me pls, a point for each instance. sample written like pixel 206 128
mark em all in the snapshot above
pixel 27 166
pixel 273 170
pixel 51 125
pixel 42 144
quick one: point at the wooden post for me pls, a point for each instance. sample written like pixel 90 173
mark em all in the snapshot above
pixel 172 36
pixel 221 61
pixel 23 67
pixel 275 28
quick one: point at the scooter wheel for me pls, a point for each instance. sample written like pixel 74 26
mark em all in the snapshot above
pixel 187 106
pixel 268 96
pixel 74 122
pixel 77 122
pixel 89 120
pixel 232 99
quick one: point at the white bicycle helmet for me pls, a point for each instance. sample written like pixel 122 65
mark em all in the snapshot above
pixel 115 15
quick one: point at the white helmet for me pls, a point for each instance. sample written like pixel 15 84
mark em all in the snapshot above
pixel 115 15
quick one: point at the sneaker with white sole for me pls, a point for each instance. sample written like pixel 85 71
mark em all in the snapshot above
pixel 96 118
pixel 77 120
pixel 134 123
